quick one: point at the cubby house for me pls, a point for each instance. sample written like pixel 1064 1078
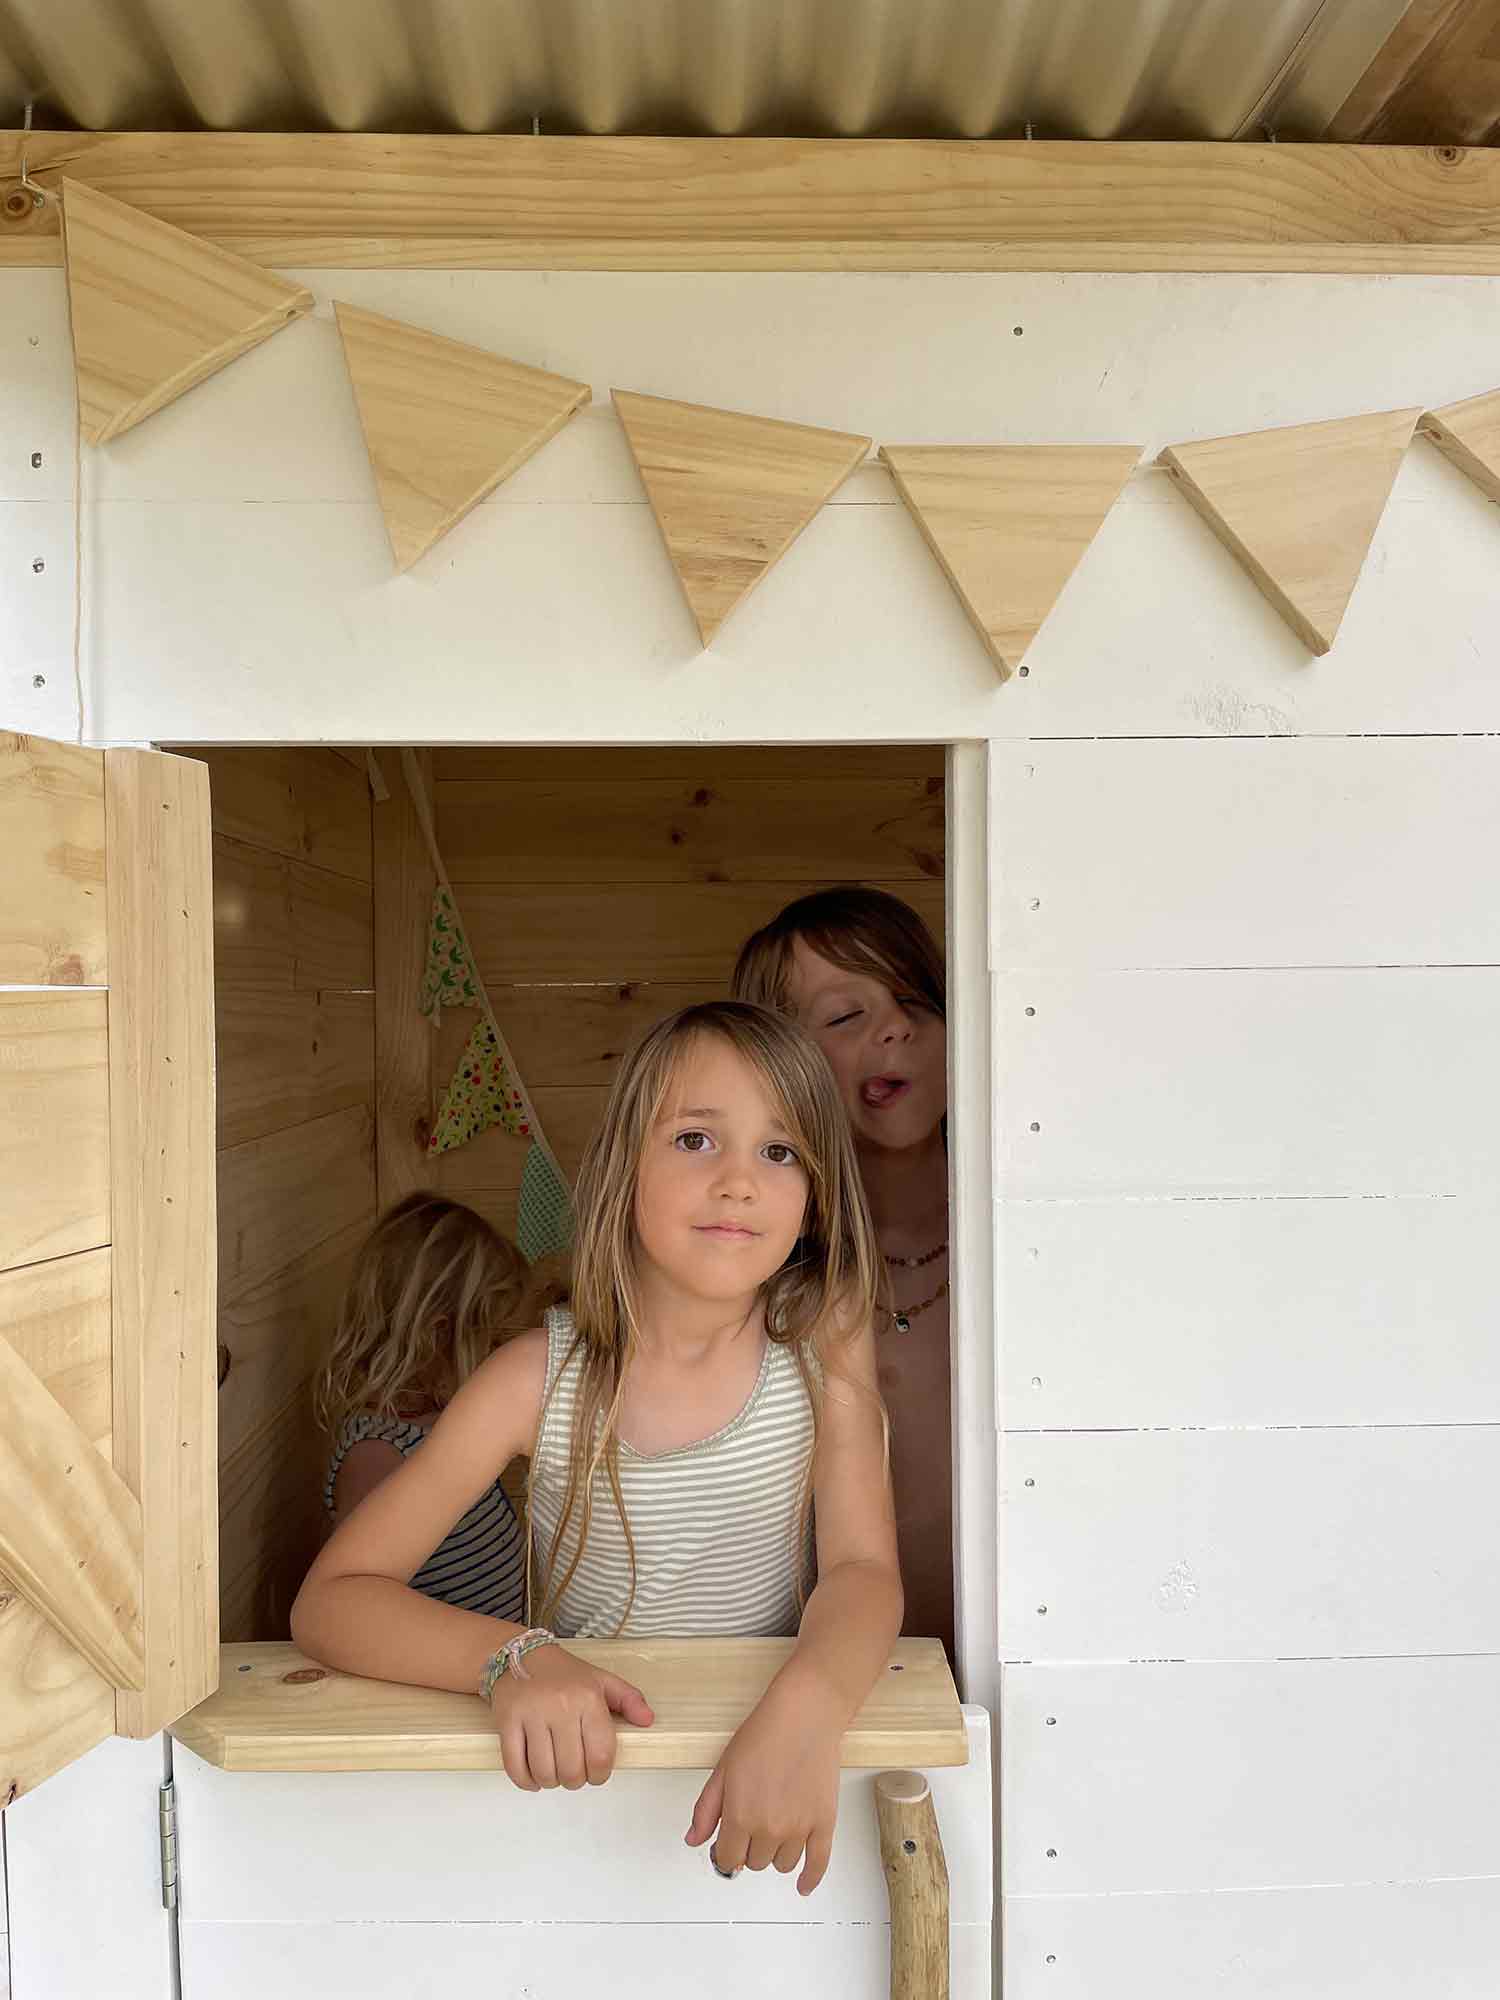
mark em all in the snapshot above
pixel 1139 629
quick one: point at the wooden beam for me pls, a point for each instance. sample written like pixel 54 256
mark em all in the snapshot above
pixel 161 1110
pixel 276 1711
pixel 1435 79
pixel 351 200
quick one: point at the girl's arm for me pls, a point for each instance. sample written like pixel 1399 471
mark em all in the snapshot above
pixel 775 1792
pixel 354 1610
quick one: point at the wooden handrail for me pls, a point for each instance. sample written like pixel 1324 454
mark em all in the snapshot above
pixel 276 1710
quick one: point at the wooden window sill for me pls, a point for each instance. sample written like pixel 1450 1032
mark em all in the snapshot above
pixel 276 1711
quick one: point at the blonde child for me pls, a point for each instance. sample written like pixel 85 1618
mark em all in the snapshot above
pixel 432 1288
pixel 861 972
pixel 706 1402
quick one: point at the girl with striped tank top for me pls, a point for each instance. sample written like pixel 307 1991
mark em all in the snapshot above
pixel 707 1443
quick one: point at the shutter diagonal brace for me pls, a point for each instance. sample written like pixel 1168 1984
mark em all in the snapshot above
pixel 70 1528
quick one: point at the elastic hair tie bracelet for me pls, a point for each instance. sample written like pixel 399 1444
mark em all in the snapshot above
pixel 510 1656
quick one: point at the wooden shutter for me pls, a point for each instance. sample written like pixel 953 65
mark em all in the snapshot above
pixel 108 1490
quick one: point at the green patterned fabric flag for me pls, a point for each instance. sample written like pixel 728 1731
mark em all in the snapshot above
pixel 482 1093
pixel 449 979
pixel 544 1213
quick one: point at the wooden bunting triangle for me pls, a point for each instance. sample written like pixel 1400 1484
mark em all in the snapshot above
pixel 1298 507
pixel 730 493
pixel 444 422
pixel 1009 524
pixel 1469 434
pixel 156 311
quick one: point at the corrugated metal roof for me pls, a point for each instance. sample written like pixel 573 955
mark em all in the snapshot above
pixel 1087 69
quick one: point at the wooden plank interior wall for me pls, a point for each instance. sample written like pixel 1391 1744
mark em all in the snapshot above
pixel 603 888
pixel 296 1080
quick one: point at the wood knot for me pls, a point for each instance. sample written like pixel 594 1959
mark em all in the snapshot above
pixel 1449 156
pixel 18 205
pixel 300 1676
pixel 703 796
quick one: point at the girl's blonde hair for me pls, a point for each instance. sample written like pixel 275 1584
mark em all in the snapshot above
pixel 432 1288
pixel 822 1295
pixel 859 930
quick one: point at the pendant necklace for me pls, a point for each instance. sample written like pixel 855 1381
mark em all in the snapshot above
pixel 916 1263
pixel 901 1321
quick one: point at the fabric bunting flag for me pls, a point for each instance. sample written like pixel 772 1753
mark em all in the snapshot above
pixel 544 1214
pixel 482 1093
pixel 485 1091
pixel 448 980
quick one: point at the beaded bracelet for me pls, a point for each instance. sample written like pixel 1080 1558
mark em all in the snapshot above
pixel 511 1655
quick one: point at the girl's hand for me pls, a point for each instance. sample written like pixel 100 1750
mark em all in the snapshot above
pixel 775 1792
pixel 556 1726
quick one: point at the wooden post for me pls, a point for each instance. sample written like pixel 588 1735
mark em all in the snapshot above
pixel 916 1877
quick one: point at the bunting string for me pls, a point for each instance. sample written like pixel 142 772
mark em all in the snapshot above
pixel 487 1087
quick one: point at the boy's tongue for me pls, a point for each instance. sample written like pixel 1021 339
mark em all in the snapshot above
pixel 879 1090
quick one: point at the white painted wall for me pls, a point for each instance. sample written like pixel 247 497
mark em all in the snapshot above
pixel 1244 1350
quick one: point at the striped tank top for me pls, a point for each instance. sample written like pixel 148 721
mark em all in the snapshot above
pixel 480 1565
pixel 715 1524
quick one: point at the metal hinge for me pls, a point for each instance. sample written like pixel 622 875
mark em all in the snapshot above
pixel 167 1826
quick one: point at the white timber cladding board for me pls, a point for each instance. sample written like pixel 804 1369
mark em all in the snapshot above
pixel 1246 1545
pixel 1131 1314
pixel 85 1880
pixel 1298 851
pixel 1257 1082
pixel 629 1961
pixel 1153 1778
pixel 275 1847
pixel 1385 1942
pixel 261 477
pixel 36 618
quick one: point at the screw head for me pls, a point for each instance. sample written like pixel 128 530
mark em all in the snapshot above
pixel 38 565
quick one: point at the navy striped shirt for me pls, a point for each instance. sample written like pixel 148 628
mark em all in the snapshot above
pixel 480 1565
